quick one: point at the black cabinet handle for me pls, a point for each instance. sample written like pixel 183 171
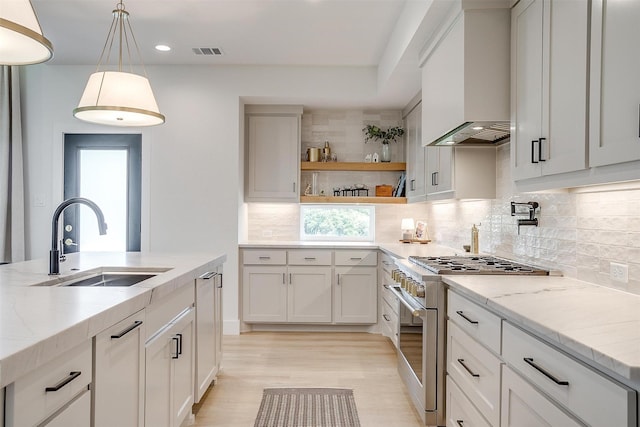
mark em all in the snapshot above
pixel 176 340
pixel 310 258
pixel 386 317
pixel 413 185
pixel 529 361
pixel 461 314
pixel 126 331
pixel 435 174
pixel 179 343
pixel 220 281
pixel 460 423
pixel 208 275
pixel 264 257
pixel 533 151
pixel 72 376
pixel 473 374
pixel 540 149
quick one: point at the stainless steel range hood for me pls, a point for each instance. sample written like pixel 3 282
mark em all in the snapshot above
pixel 476 134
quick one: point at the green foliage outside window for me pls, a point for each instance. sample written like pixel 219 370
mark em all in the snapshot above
pixel 340 222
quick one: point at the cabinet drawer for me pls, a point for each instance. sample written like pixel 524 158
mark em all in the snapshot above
pixel 264 256
pixel 28 402
pixel 387 262
pixel 309 257
pixel 594 398
pixel 162 311
pixel 460 412
pixel 389 298
pixel 356 257
pixel 476 321
pixel 476 370
pixel 389 319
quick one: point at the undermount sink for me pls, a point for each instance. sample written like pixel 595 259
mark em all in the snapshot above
pixel 111 279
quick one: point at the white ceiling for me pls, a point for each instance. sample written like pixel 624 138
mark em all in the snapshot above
pixel 350 33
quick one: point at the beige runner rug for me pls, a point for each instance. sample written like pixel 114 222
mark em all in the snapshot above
pixel 307 407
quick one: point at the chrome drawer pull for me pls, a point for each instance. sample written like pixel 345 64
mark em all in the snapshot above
pixel 72 376
pixel 473 374
pixel 208 275
pixel 310 258
pixel 353 258
pixel 126 331
pixel 461 314
pixel 460 423
pixel 529 361
pixel 264 257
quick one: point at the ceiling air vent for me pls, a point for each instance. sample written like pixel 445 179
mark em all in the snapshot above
pixel 212 51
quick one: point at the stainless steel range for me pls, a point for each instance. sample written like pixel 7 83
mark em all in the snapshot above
pixel 421 336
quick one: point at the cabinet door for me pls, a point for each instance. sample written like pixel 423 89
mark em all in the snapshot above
pixel 524 406
pixel 309 295
pixel 264 294
pixel 439 169
pixel 158 403
pixel 355 295
pixel 119 373
pixel 218 325
pixel 416 156
pixel 274 143
pixel 615 87
pixel 549 87
pixel 77 414
pixel 183 367
pixel 526 86
pixel 206 333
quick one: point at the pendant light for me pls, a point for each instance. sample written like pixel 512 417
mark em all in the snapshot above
pixel 119 98
pixel 21 39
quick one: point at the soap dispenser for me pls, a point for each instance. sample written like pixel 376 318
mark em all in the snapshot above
pixel 474 240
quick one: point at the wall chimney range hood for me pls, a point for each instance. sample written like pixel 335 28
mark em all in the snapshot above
pixel 466 77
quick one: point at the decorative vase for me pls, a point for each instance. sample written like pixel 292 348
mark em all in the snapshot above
pixel 386 153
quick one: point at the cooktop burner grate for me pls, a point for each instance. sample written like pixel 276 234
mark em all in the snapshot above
pixel 475 265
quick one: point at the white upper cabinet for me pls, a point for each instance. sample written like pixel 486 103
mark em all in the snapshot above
pixel 549 87
pixel 615 83
pixel 416 155
pixel 273 158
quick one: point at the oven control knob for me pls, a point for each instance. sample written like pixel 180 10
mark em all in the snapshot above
pixel 420 292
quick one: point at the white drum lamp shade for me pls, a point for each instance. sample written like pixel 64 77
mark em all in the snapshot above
pixel 117 98
pixel 21 39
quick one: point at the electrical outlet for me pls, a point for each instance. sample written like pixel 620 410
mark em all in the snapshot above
pixel 619 272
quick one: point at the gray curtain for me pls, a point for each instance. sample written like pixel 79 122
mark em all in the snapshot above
pixel 12 244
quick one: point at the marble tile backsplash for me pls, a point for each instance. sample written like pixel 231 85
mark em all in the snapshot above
pixel 579 234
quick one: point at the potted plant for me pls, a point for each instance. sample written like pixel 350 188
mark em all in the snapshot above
pixel 373 132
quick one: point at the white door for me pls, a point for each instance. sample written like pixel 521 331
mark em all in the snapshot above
pixel 309 295
pixel 183 368
pixel 264 294
pixel 158 382
pixel 355 295
pixel 614 135
pixel 119 373
pixel 524 406
pixel 273 157
pixel 526 87
pixel 206 332
pixel 416 156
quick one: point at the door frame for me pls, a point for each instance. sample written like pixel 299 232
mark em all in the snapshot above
pixel 132 143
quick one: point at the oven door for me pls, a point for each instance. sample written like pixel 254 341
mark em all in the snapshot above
pixel 418 352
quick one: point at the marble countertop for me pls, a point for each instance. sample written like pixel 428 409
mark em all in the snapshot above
pixel 597 324
pixel 38 323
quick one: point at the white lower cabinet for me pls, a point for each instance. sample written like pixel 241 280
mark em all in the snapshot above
pixel 524 406
pixel 299 286
pixel 460 411
pixel 476 370
pixel 355 297
pixel 59 388
pixel 169 373
pixel 118 382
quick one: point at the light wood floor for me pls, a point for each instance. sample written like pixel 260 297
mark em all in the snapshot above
pixel 363 362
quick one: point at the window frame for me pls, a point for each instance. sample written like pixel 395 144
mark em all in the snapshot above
pixel 372 223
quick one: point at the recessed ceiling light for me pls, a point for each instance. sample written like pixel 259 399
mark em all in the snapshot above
pixel 477 128
pixel 163 48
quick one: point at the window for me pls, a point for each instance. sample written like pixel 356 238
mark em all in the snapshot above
pixel 343 222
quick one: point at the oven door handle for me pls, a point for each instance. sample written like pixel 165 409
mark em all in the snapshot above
pixel 414 308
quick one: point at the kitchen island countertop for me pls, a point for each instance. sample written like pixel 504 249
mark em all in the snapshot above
pixel 38 323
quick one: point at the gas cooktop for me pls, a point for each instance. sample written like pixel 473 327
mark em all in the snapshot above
pixel 475 265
